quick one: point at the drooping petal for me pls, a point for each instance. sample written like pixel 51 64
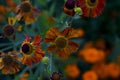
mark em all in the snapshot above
pixel 23 59
pixel 5 70
pixel 68 11
pixel 36 11
pixel 63 53
pixel 28 61
pixel 70 33
pixel 73 46
pixel 27 38
pixel 1 64
pixel 52 34
pixel 38 57
pixel 68 7
pixel 39 50
pixel 51 49
pixel 37 40
pixel 29 18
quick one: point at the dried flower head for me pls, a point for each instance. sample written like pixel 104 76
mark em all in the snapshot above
pixel 9 63
pixel 56 76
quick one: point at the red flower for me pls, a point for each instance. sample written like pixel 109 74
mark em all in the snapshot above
pixel 68 7
pixel 91 8
pixel 60 41
pixel 31 51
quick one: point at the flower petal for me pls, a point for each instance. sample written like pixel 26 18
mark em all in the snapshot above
pixel 5 70
pixel 70 33
pixel 68 11
pixel 1 65
pixel 39 50
pixel 52 34
pixel 37 40
pixel 73 46
pixel 51 49
pixel 27 38
pixel 28 61
pixel 37 57
pixel 12 20
pixel 29 18
pixel 63 53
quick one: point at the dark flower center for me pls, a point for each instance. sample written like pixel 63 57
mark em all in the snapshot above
pixel 26 48
pixel 61 42
pixel 25 7
pixel 92 1
pixel 8 30
pixel 7 60
pixel 70 4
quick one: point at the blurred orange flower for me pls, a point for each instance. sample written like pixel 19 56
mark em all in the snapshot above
pixel 60 42
pixel 88 45
pixel 81 32
pixel 101 70
pixel 113 70
pixel 9 63
pixel 103 45
pixel 90 75
pixel 24 76
pixel 72 71
pixel 92 55
pixel 31 51
pixel 3 10
pixel 25 12
pixel 91 8
pixel 11 4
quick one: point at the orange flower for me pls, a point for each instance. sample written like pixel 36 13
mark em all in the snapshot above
pixel 31 51
pixel 91 8
pixel 92 55
pixel 100 44
pixel 101 70
pixel 81 32
pixel 24 76
pixel 113 70
pixel 11 4
pixel 3 10
pixel 90 75
pixel 60 41
pixel 88 45
pixel 9 63
pixel 104 45
pixel 25 12
pixel 72 71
